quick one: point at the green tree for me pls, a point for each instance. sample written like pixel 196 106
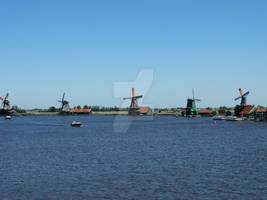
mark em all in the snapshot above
pixel 95 108
pixel 222 111
pixel 52 109
pixel 17 109
pixel 214 112
pixel 116 108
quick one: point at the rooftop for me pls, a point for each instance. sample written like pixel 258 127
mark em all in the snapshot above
pixel 261 110
pixel 80 110
pixel 204 111
pixel 143 110
pixel 247 110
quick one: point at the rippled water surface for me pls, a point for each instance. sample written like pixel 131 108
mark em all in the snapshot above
pixel 165 158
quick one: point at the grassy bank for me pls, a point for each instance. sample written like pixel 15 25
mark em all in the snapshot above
pixel 38 113
pixel 110 113
pixel 42 113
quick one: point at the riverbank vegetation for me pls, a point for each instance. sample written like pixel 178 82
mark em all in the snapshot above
pixel 102 110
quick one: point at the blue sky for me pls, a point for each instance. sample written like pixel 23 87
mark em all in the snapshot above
pixel 83 47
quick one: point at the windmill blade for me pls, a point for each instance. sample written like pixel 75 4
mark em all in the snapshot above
pixel 6 96
pixel 63 96
pixel 126 98
pixel 247 93
pixel 138 97
pixel 237 98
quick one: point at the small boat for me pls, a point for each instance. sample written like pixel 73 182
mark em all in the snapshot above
pixel 8 117
pixel 219 118
pixel 77 124
pixel 234 118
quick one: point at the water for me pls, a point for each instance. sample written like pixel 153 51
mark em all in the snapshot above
pixel 165 158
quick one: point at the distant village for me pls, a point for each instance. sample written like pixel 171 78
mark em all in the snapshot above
pixel 239 112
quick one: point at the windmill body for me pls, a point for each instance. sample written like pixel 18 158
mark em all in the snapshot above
pixel 191 108
pixel 6 105
pixel 243 97
pixel 5 110
pixel 134 109
pixel 243 109
pixel 65 108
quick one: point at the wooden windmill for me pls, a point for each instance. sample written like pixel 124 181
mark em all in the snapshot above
pixel 65 108
pixel 133 110
pixel 191 108
pixel 5 103
pixel 243 97
pixel 243 109
pixel 5 110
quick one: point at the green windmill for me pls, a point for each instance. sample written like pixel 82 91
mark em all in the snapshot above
pixel 191 108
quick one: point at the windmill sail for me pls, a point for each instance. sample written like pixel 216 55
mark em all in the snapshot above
pixel 243 97
pixel 237 98
pixel 6 105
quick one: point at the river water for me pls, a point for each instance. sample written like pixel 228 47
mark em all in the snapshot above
pixel 153 158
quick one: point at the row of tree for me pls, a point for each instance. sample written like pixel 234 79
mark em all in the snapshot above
pixel 93 108
pixel 17 109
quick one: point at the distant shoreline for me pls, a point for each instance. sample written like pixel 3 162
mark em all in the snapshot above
pixel 123 113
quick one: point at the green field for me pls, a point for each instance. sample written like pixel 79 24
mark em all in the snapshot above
pixel 45 113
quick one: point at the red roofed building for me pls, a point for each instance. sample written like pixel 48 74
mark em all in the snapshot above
pixel 230 112
pixel 261 114
pixel 248 110
pixel 245 111
pixel 205 112
pixel 261 110
pixel 144 111
pixel 80 111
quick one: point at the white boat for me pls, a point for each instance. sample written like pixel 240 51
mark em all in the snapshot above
pixel 8 117
pixel 77 124
pixel 219 118
pixel 234 118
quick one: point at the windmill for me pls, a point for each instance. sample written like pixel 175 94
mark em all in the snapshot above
pixel 5 103
pixel 243 97
pixel 191 108
pixel 134 103
pixel 243 109
pixel 65 108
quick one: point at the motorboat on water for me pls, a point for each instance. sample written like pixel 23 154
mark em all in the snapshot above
pixel 76 124
pixel 8 117
pixel 219 118
pixel 234 118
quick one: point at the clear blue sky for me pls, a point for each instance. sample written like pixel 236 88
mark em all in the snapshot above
pixel 82 47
